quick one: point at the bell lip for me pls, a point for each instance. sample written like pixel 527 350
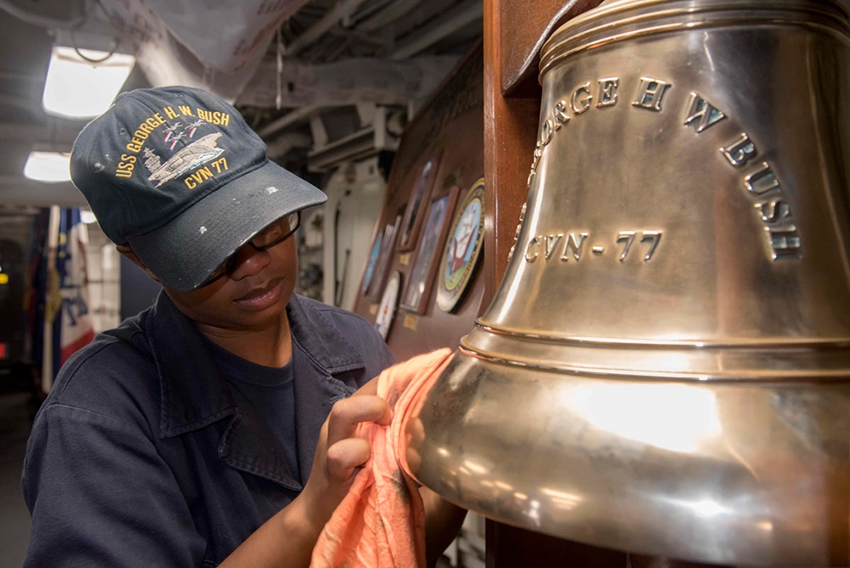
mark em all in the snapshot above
pixel 605 25
pixel 659 522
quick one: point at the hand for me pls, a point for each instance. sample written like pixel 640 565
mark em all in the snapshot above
pixel 339 455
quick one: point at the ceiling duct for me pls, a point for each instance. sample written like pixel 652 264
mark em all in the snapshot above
pixel 175 45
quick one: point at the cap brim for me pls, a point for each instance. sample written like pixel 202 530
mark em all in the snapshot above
pixel 184 252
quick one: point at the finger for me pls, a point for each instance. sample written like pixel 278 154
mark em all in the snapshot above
pixel 346 414
pixel 347 455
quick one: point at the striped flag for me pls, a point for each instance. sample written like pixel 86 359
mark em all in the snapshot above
pixel 77 330
pixel 67 323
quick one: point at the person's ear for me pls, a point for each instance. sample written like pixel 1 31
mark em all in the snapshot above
pixel 128 252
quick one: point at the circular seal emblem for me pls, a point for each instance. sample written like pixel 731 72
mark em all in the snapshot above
pixel 463 248
pixel 389 304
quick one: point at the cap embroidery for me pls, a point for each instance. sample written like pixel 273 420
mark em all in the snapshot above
pixel 199 152
pixel 152 161
pixel 191 156
pixel 169 130
pixel 193 127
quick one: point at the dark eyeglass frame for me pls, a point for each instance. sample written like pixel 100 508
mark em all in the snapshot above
pixel 227 266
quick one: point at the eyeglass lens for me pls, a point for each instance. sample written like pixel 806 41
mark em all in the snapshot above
pixel 271 236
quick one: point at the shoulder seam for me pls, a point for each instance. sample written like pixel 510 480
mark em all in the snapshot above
pixel 78 364
pixel 89 411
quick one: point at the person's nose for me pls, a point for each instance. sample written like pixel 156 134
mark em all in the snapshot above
pixel 249 261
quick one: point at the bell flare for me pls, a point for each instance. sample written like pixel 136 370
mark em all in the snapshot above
pixel 748 473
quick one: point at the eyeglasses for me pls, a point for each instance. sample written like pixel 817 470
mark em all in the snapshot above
pixel 269 237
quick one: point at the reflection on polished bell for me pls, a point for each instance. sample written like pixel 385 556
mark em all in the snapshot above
pixel 665 367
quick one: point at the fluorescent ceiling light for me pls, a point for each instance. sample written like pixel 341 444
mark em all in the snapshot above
pixel 76 88
pixel 50 167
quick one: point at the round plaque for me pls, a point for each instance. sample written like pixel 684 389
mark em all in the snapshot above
pixel 389 303
pixel 462 249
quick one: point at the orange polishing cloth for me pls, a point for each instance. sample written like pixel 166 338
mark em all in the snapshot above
pixel 381 521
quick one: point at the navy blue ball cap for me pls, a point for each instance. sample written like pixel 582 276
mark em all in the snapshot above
pixel 176 174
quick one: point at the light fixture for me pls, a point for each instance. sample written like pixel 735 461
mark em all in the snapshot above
pixel 49 167
pixel 82 83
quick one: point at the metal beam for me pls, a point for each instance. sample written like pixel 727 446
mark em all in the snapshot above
pixel 339 11
pixel 23 103
pixel 17 190
pixel 32 133
pixel 23 78
pixel 282 144
pixel 292 117
pixel 445 26
pixel 387 15
pixel 355 146
pixel 24 132
pixel 357 35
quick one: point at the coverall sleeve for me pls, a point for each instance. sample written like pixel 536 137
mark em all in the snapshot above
pixel 100 495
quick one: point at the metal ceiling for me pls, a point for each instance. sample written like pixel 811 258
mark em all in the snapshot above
pixel 338 69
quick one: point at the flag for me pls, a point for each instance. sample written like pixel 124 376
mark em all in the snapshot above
pixel 67 323
pixel 77 330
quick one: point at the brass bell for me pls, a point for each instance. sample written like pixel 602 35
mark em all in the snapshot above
pixel 664 369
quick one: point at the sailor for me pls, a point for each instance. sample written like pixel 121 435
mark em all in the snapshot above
pixel 216 427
